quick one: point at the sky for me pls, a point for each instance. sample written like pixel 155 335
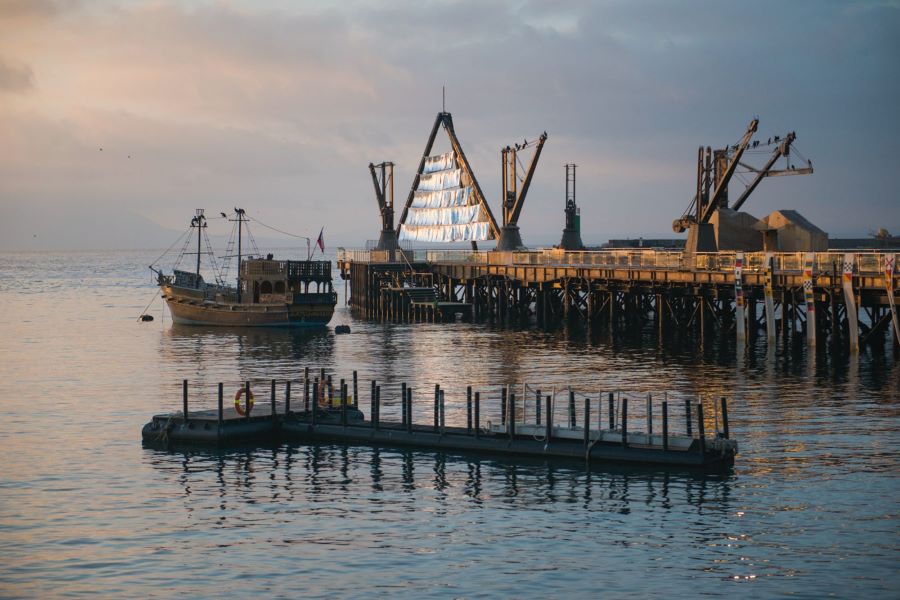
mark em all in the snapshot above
pixel 279 107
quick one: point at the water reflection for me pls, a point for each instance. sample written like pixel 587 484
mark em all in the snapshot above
pixel 334 475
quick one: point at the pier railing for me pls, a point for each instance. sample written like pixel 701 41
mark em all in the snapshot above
pixel 869 262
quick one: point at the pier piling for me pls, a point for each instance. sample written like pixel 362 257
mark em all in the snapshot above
pixel 477 417
pixel 511 422
pixel 409 410
pixel 184 397
pixel 725 418
pixel 700 427
pixel 376 409
pixel 469 410
pixel 548 432
pixel 665 424
pixel 572 420
pixel 612 411
pixel 587 422
pixel 687 417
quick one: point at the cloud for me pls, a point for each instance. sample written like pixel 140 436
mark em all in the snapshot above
pixel 15 78
pixel 282 105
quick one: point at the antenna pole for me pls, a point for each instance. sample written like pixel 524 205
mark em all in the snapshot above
pixel 443 99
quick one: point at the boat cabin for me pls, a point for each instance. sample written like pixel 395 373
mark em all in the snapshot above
pixel 269 281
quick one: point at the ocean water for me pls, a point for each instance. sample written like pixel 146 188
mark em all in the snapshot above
pixel 810 509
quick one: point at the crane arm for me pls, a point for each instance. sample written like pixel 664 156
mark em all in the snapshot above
pixel 520 200
pixel 783 149
pixel 378 193
pixel 713 203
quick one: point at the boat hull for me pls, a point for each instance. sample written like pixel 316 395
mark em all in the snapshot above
pixel 191 311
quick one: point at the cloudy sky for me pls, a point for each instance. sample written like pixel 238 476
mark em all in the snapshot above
pixel 279 107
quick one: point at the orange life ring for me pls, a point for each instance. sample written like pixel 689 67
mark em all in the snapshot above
pixel 239 406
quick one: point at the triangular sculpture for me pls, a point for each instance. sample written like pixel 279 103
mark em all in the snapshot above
pixel 445 203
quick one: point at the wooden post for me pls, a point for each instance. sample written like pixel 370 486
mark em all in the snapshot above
pixel 315 402
pixel 272 401
pixel 612 411
pixel 572 420
pixel 355 391
pixel 649 414
pixel 469 410
pixel 725 417
pixel 409 411
pixel 503 393
pixel 403 403
pixel 587 422
pixel 343 403
pixel 477 418
pixel 437 408
pixel 376 410
pixel 184 399
pixel 700 429
pixel 247 400
pixel 287 397
pixel 665 410
pixel 221 404
pixel 306 391
pixel 442 412
pixel 537 407
pixel 548 432
pixel 687 417
pixel 511 421
pixel 625 422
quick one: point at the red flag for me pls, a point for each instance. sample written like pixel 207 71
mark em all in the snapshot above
pixel 321 241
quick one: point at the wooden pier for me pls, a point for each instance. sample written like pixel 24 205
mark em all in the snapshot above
pixel 846 300
pixel 595 429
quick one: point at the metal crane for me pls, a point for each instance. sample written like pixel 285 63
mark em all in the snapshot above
pixel 724 170
pixel 383 180
pixel 717 167
pixel 513 198
pixel 783 149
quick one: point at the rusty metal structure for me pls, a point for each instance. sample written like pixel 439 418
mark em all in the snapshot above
pixel 715 170
pixel 571 237
pixel 848 299
pixel 513 197
pixel 383 180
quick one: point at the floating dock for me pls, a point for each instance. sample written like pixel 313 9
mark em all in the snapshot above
pixel 594 430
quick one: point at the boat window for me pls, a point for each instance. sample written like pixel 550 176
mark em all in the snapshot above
pixel 265 287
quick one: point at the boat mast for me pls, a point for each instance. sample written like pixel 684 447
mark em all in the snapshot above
pixel 240 219
pixel 199 221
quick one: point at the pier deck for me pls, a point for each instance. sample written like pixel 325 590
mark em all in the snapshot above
pixel 840 293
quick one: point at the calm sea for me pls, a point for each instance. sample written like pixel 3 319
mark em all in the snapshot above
pixel 810 509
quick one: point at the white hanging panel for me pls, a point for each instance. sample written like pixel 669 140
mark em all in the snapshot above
pixel 442 198
pixel 446 233
pixel 439 162
pixel 439 180
pixel 456 215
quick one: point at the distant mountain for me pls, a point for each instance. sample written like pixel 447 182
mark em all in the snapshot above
pixel 37 227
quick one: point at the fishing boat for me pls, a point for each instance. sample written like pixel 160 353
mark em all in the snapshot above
pixel 269 292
